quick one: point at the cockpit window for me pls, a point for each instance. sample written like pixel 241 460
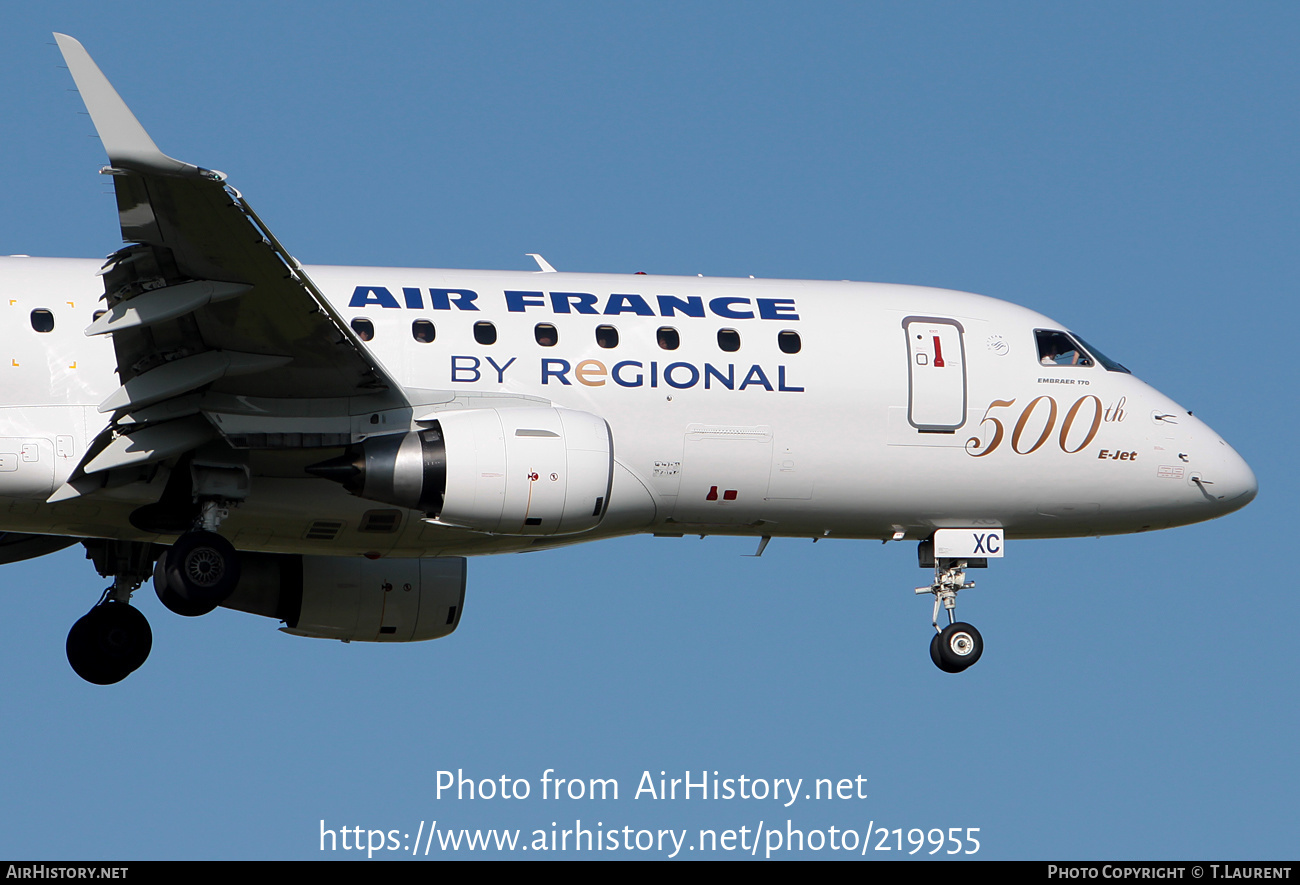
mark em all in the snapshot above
pixel 1059 349
pixel 1110 364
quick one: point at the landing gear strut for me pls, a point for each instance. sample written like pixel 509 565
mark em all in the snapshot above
pixel 957 646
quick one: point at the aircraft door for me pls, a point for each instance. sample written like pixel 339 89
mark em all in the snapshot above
pixel 936 374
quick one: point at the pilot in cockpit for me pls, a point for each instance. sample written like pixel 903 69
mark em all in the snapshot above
pixel 1058 349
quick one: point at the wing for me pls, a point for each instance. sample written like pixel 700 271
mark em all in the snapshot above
pixel 217 329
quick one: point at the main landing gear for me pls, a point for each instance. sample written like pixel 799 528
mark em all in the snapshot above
pixel 109 642
pixel 112 640
pixel 959 645
pixel 192 577
pixel 201 569
pixel 197 574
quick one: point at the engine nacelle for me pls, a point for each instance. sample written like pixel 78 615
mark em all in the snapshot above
pixel 352 598
pixel 526 471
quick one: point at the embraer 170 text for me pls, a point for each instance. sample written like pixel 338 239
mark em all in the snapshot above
pixel 326 445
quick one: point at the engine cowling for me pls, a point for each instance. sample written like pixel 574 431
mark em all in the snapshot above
pixel 351 598
pixel 527 471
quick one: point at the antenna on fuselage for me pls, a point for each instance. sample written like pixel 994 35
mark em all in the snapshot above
pixel 541 262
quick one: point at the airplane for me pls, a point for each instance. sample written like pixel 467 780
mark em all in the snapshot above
pixel 326 446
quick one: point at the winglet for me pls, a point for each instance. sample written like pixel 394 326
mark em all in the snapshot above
pixel 127 144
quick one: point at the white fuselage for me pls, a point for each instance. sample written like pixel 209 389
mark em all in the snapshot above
pixel 904 409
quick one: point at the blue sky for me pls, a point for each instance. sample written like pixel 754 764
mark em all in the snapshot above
pixel 1127 169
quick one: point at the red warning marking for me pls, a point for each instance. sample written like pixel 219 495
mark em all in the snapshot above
pixel 729 495
pixel 712 495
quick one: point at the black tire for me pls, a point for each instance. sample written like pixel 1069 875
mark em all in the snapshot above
pixel 202 568
pixel 960 646
pixel 109 643
pixel 938 660
pixel 172 600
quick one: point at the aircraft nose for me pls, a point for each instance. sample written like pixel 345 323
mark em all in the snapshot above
pixel 1231 483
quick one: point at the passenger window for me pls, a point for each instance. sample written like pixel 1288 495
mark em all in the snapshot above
pixel 423 331
pixel 668 338
pixel 364 328
pixel 729 340
pixel 42 320
pixel 789 342
pixel 607 336
pixel 1059 349
pixel 546 334
pixel 485 332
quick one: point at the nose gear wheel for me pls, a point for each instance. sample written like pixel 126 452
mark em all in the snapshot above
pixel 958 646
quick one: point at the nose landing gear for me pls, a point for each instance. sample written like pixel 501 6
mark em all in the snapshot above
pixel 959 645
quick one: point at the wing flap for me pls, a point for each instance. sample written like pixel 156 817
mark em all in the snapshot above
pixel 184 375
pixel 166 303
pixel 151 444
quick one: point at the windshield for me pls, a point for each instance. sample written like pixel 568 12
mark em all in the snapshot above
pixel 1110 364
pixel 1059 349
